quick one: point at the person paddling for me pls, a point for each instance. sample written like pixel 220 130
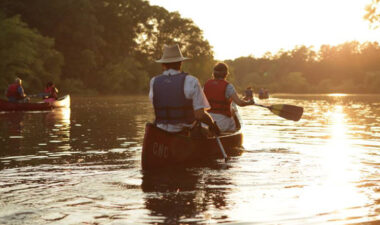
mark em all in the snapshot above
pixel 220 94
pixel 50 93
pixel 248 94
pixel 177 97
pixel 15 92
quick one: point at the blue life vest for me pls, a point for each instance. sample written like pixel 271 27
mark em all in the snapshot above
pixel 169 100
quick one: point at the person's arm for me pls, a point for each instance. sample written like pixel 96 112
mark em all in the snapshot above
pixel 21 91
pixel 202 116
pixel 194 91
pixel 231 94
pixel 241 102
pixel 151 89
pixel 199 113
pixel 43 95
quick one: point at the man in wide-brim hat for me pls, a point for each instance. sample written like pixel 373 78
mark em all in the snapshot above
pixel 177 97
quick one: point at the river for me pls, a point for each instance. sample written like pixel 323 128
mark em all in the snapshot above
pixel 82 166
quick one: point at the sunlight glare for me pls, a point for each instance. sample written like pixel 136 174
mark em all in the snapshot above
pixel 338 170
pixel 241 28
pixel 337 95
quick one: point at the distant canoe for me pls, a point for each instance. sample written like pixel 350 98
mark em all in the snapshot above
pixel 263 95
pixel 63 102
pixel 163 149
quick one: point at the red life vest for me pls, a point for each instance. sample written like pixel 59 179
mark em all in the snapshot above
pixel 51 91
pixel 13 91
pixel 215 91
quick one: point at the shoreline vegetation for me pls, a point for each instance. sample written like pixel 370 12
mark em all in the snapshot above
pixel 109 47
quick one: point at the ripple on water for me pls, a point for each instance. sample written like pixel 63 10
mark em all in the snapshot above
pixel 16 137
pixel 322 169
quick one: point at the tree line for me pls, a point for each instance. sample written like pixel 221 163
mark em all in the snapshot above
pixel 103 46
pixel 350 67
pixel 109 47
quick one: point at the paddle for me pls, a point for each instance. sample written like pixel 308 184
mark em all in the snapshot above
pixel 289 112
pixel 215 130
pixel 221 148
pixel 34 96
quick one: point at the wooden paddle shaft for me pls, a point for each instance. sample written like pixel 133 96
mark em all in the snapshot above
pixel 264 106
pixel 221 147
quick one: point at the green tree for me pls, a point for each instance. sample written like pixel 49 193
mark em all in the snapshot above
pixel 98 38
pixel 170 28
pixel 27 54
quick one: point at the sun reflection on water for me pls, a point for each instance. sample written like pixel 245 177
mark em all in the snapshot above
pixel 337 95
pixel 59 123
pixel 338 170
pixel 59 116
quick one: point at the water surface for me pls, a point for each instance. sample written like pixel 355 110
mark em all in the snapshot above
pixel 82 166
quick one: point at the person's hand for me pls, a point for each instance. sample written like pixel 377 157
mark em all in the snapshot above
pixel 251 102
pixel 214 129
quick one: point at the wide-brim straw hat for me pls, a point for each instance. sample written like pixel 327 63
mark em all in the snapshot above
pixel 171 54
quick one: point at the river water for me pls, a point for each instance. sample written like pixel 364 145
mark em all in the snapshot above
pixel 82 166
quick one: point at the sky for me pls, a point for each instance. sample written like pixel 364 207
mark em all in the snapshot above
pixel 238 28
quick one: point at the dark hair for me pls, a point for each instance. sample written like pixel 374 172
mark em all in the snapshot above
pixel 220 70
pixel 49 84
pixel 174 65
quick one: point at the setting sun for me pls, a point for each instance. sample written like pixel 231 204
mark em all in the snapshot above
pixel 242 28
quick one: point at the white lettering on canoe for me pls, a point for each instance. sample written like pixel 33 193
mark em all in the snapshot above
pixel 160 150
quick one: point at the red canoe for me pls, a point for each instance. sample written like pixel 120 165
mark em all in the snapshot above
pixel 63 102
pixel 162 149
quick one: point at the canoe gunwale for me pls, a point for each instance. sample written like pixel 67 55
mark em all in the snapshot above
pixel 62 102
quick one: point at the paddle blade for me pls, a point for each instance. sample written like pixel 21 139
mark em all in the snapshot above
pixel 289 112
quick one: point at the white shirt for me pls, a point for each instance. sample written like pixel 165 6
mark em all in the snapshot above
pixel 192 90
pixel 225 123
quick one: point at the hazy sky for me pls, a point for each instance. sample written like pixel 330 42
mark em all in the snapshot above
pixel 252 27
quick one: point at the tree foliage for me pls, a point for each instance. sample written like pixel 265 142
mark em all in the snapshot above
pixel 110 45
pixel 349 67
pixel 26 54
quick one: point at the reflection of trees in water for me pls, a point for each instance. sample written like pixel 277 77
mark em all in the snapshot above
pixel 95 129
pixel 11 132
pixel 184 194
pixel 107 122
pixel 28 133
pixel 11 124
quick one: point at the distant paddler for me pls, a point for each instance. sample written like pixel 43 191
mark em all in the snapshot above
pixel 15 92
pixel 248 94
pixel 263 93
pixel 50 93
